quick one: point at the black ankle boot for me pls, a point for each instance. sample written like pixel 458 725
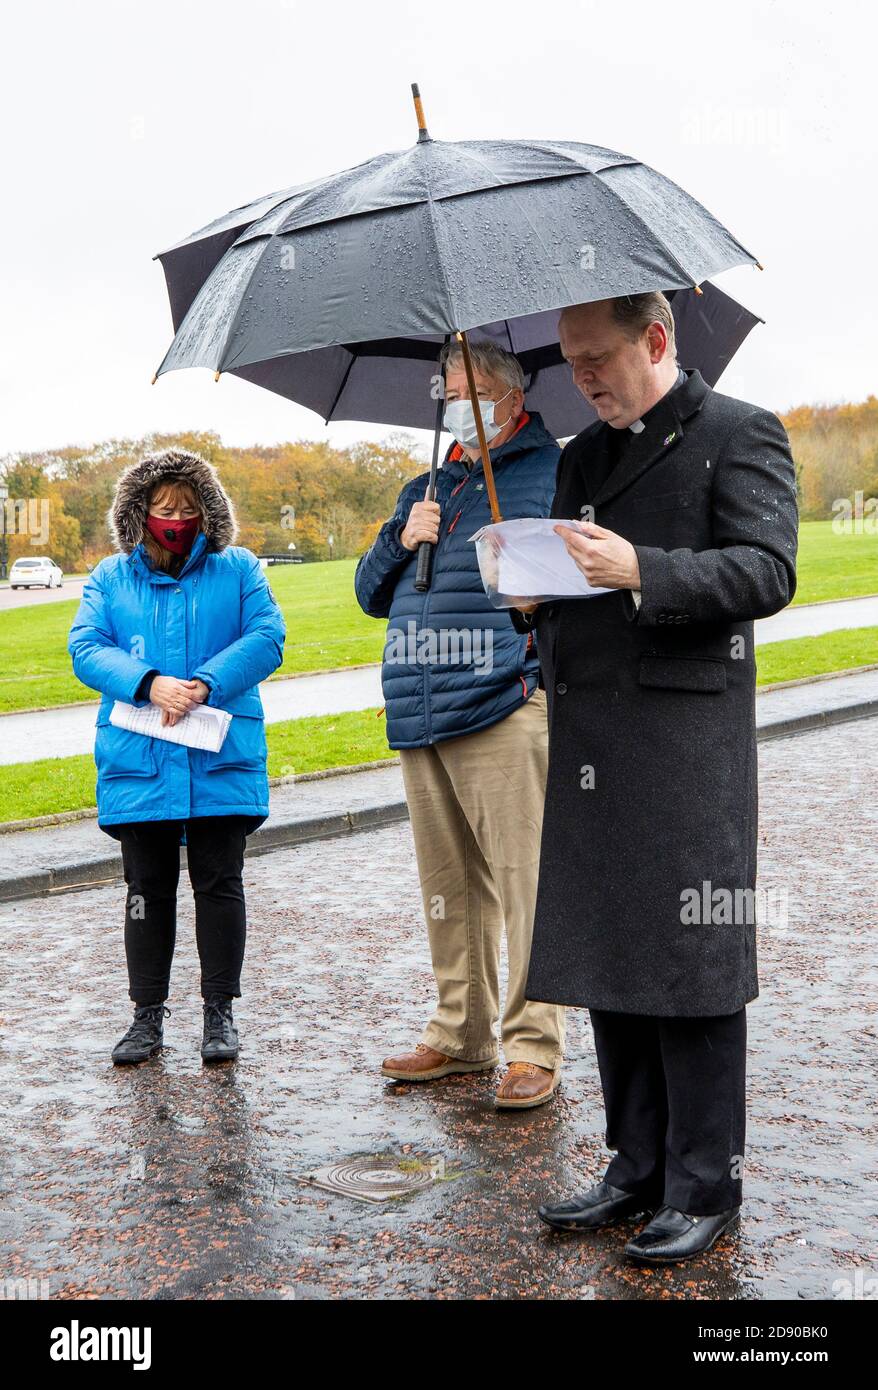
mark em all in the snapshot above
pixel 145 1036
pixel 220 1040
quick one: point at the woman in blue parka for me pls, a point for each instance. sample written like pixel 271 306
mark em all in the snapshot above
pixel 179 617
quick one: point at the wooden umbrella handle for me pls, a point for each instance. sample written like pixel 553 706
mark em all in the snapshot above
pixel 423 133
pixel 480 428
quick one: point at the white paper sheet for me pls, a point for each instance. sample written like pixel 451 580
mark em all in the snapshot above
pixel 527 559
pixel 203 727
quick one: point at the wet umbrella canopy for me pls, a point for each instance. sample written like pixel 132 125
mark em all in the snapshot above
pixel 338 293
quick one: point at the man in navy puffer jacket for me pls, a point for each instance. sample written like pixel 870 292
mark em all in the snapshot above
pixel 465 710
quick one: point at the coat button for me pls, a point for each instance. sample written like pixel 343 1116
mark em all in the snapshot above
pixel 561 688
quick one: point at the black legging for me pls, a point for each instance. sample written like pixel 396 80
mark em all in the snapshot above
pixel 151 863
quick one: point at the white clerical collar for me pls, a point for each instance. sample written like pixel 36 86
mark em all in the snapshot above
pixel 637 426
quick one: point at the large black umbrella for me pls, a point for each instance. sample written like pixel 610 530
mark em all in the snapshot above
pixel 337 293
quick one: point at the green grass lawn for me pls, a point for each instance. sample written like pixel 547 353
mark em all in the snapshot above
pixel 294 746
pixel 342 740
pixel 815 656
pixel 326 629
pixel 832 566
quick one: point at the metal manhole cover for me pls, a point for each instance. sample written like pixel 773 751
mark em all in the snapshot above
pixel 370 1181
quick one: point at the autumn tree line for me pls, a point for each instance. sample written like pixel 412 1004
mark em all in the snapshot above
pixel 296 494
pixel 836 452
pixel 301 494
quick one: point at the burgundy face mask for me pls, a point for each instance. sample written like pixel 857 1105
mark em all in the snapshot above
pixel 176 536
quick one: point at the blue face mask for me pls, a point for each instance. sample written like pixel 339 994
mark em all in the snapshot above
pixel 460 420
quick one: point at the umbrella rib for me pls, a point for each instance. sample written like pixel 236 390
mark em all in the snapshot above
pixel 574 171
pixel 429 203
pixel 342 385
pixel 431 214
pixel 539 238
pixel 215 228
pixel 624 162
pixel 658 240
pixel 233 322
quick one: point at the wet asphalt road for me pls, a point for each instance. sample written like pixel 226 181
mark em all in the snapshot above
pixel 174 1181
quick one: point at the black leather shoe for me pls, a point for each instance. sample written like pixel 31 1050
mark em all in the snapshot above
pixel 220 1040
pixel 672 1235
pixel 600 1206
pixel 145 1036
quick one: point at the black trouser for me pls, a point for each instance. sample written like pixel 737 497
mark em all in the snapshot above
pixel 675 1097
pixel 151 863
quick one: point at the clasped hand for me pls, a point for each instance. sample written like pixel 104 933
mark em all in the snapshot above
pixel 176 698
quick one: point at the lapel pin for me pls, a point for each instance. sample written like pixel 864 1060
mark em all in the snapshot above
pixel 670 439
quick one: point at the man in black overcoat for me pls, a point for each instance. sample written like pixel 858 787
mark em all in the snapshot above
pixel 645 911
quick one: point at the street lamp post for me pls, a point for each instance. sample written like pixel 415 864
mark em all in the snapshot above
pixel 330 541
pixel 4 550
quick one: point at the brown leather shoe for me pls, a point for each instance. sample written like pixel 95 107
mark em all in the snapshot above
pixel 525 1085
pixel 426 1064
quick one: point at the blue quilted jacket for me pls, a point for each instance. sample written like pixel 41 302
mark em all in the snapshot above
pixel 218 622
pixel 453 664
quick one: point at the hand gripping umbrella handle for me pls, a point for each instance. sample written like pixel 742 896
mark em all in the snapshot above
pixel 424 572
pixel 426 549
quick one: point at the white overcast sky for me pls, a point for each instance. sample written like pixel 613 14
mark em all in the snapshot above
pixel 127 125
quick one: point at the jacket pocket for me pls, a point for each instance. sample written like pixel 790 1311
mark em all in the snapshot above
pixel 120 753
pixel 244 746
pixel 702 673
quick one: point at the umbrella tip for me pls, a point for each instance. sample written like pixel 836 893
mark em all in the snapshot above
pixel 155 377
pixel 698 289
pixel 759 265
pixel 216 376
pixel 423 133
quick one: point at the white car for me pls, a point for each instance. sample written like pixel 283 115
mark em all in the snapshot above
pixel 35 572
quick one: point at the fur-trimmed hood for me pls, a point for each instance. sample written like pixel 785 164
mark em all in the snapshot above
pixel 127 516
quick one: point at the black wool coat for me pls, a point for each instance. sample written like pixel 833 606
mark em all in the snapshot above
pixel 650 829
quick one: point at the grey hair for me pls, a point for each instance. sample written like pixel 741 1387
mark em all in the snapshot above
pixel 489 358
pixel 634 312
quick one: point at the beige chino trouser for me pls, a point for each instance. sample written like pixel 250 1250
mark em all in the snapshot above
pixel 476 807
